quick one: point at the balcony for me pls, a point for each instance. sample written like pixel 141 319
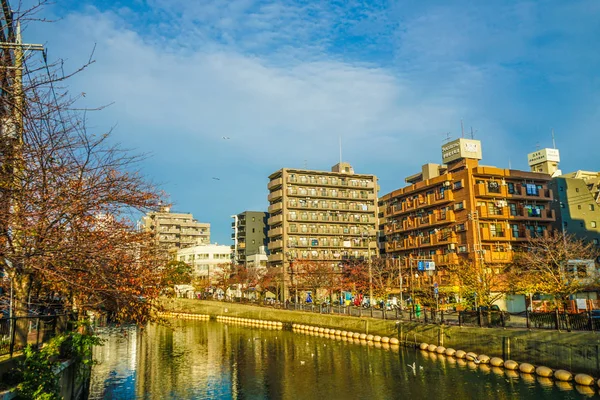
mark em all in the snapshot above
pixel 277 219
pixel 446 259
pixel 487 190
pixel 277 244
pixel 273 258
pixel 275 232
pixel 486 213
pixel 535 215
pixel 275 207
pixel 538 194
pixel 498 256
pixel 443 238
pixel 275 195
pixel 495 236
pixel 275 183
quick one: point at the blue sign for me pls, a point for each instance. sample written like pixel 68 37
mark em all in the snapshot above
pixel 421 265
pixel 435 290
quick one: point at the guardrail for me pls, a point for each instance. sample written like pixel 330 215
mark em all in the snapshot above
pixel 554 320
pixel 18 332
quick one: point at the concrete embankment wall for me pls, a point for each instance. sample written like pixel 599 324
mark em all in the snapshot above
pixel 574 351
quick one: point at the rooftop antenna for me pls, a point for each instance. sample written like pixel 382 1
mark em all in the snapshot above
pixel 462 128
pixel 305 164
pixel 553 141
pixel 509 163
pixel 537 145
pixel 472 133
pixel 448 138
pixel 340 149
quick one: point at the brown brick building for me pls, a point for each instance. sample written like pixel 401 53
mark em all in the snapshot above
pixel 462 211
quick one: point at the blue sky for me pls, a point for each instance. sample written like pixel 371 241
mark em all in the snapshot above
pixel 285 79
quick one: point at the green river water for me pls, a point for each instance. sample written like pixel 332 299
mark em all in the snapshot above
pixel 213 360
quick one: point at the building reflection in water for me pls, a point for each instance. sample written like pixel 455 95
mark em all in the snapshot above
pixel 210 360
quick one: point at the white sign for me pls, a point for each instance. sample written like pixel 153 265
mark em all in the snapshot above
pixel 429 266
pixel 581 304
pixel 461 148
pixel 543 155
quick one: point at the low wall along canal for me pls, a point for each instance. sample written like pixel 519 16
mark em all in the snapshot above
pixel 574 351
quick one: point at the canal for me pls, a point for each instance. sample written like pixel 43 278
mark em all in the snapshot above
pixel 212 360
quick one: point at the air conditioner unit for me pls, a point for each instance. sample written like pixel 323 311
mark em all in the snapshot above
pixel 447 183
pixel 451 246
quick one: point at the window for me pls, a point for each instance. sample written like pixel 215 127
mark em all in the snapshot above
pixel 591 207
pixel 511 187
pixel 493 187
pixel 579 206
pixel 462 249
pixel 513 209
pixel 562 189
pixel 577 189
pixel 253 219
pixel 531 189
pixel 593 224
pixel 515 230
pixel 253 230
pixel 596 241
pixel 459 206
pixel 458 185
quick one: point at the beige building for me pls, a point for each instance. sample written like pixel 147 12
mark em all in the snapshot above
pixel 321 215
pixel 176 230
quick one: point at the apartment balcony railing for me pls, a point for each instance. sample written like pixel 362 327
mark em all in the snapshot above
pixel 275 232
pixel 275 195
pixel 538 194
pixel 498 256
pixel 275 257
pixel 275 207
pixel 277 219
pixel 497 190
pixel 313 181
pixel 277 244
pixel 275 183
pixel 446 259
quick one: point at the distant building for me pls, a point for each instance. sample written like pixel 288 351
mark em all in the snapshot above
pixel 578 205
pixel 249 235
pixel 207 260
pixel 258 260
pixel 176 230
pixel 463 212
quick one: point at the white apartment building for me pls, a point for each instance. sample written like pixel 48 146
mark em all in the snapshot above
pixel 207 260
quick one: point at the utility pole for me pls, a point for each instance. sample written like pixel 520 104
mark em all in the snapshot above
pixel 12 104
pixel 479 259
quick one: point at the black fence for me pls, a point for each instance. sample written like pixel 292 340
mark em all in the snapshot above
pixel 556 320
pixel 18 332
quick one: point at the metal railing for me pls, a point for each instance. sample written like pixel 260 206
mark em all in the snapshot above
pixel 18 332
pixel 554 320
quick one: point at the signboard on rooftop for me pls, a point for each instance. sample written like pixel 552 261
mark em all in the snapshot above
pixel 461 148
pixel 543 155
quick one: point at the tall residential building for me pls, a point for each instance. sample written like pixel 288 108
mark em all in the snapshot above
pixel 463 211
pixel 578 205
pixel 176 230
pixel 207 260
pixel 321 215
pixel 249 234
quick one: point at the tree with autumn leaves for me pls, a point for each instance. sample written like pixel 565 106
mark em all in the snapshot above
pixel 556 264
pixel 68 203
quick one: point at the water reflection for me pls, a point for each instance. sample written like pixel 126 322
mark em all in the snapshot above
pixel 210 360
